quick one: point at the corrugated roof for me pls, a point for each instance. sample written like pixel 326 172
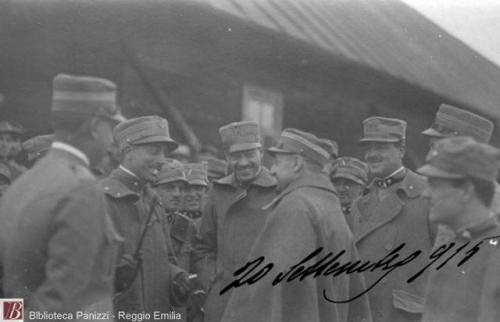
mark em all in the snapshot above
pixel 385 35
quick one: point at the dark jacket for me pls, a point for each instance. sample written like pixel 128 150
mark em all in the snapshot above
pixel 304 217
pixel 59 244
pixel 128 204
pixel 232 218
pixel 469 292
pixel 381 226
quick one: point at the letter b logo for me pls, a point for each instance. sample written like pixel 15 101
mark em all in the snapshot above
pixel 12 309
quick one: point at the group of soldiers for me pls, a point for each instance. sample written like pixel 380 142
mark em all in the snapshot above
pixel 106 221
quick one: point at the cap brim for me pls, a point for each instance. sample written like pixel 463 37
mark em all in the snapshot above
pixel 274 150
pixel 432 132
pixel 383 140
pixel 198 182
pixel 171 144
pixel 170 180
pixel 244 146
pixel 349 177
pixel 431 171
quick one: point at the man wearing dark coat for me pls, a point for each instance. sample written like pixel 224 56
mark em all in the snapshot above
pixel 159 285
pixel 304 216
pixel 57 241
pixel 233 215
pixel 461 174
pixel 391 212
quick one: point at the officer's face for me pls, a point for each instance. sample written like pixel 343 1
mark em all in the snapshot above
pixel 171 194
pixel 9 145
pixel 446 201
pixel 146 160
pixel 245 164
pixel 284 169
pixel 383 158
pixel 194 197
pixel 347 190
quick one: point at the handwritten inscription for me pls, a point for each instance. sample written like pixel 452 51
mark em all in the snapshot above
pixel 314 265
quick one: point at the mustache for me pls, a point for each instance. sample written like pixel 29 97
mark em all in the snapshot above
pixel 374 159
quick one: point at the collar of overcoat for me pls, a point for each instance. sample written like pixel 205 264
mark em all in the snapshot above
pixel 263 179
pixel 120 184
pixel 306 179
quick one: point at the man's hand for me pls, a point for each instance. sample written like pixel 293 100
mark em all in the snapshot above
pixel 126 272
pixel 182 286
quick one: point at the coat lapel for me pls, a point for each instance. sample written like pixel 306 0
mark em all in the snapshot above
pixel 384 212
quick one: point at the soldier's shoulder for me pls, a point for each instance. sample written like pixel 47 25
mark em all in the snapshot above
pixel 115 189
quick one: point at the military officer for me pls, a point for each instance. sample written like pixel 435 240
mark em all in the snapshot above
pixel 144 143
pixel 233 215
pixel 37 146
pixel 349 178
pixel 391 212
pixel 10 146
pixel 304 216
pixel 58 244
pixel 196 190
pixel 461 174
pixel 454 121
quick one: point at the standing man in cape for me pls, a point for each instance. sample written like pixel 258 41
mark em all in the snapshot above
pixel 233 215
pixel 304 216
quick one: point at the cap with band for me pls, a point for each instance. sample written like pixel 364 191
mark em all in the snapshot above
pixel 84 95
pixel 383 129
pixel 293 141
pixel 144 129
pixel 352 169
pixel 462 157
pixel 454 121
pixel 196 174
pixel 239 136
pixel 171 171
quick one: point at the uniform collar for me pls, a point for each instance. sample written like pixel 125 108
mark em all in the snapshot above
pixel 129 179
pixel 263 179
pixel 391 179
pixel 410 183
pixel 307 179
pixel 58 145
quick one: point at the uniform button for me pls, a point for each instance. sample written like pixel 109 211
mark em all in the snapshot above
pixel 118 194
pixel 388 246
pixel 410 187
pixel 106 188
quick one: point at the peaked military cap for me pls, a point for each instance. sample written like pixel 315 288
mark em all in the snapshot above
pixel 293 141
pixel 144 129
pixel 239 136
pixel 383 129
pixel 462 157
pixel 352 169
pixel 37 145
pixel 84 95
pixel 171 171
pixel 196 173
pixel 454 121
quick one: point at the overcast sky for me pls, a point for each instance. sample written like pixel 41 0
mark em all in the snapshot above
pixel 475 22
